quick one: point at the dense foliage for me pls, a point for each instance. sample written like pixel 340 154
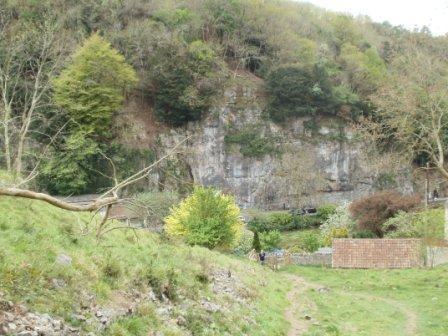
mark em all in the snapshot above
pixel 184 55
pixel 89 91
pixel 298 91
pixel 186 81
pixel 310 242
pixel 207 218
pixel 283 221
pixel 270 240
pixel 251 141
pixel 372 211
pixel 337 225
pixel 428 225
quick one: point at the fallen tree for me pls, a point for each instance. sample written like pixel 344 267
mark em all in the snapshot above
pixel 106 200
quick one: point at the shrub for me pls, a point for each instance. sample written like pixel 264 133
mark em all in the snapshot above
pixel 337 223
pixel 297 91
pixel 251 141
pixel 310 242
pixel 207 218
pixel 280 220
pixel 256 245
pixel 341 232
pixel 302 222
pixel 259 224
pixel 270 240
pixel 246 243
pixel 372 211
pixel 427 224
pixel 364 234
pixel 325 211
pixel 283 221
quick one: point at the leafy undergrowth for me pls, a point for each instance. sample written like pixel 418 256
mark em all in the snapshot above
pixel 189 297
pixel 292 239
pixel 378 302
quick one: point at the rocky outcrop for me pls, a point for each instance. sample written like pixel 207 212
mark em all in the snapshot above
pixel 324 147
pixel 228 291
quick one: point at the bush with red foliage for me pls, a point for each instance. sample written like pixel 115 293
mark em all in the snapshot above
pixel 372 211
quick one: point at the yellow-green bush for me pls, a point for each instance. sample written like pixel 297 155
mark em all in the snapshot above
pixel 341 232
pixel 207 218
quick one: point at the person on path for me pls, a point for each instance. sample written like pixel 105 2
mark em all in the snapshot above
pixel 262 257
pixel 435 195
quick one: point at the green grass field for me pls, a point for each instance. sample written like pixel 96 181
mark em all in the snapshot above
pixel 377 302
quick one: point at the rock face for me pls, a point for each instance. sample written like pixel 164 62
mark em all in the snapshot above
pixel 324 147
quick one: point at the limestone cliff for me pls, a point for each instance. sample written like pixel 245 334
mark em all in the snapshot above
pixel 309 160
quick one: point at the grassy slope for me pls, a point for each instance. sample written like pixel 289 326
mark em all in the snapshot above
pixel 378 302
pixel 32 234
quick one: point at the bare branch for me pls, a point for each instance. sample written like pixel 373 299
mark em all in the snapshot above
pixel 93 206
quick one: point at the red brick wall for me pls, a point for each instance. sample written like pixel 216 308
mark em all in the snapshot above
pixel 377 253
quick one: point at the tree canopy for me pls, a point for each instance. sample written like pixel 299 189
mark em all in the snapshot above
pixel 92 87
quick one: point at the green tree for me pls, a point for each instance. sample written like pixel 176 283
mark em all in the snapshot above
pixel 185 78
pixel 298 91
pixel 67 172
pixel 365 69
pixel 270 240
pixel 344 30
pixel 207 218
pixel 256 245
pixel 92 88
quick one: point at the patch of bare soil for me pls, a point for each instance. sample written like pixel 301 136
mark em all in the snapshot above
pixel 300 312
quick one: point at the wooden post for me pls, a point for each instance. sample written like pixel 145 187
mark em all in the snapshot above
pixel 446 220
pixel 427 185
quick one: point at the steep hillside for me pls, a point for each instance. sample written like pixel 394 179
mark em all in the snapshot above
pixel 55 276
pixel 257 83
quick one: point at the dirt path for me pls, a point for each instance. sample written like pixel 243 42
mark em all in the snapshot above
pixel 411 316
pixel 300 312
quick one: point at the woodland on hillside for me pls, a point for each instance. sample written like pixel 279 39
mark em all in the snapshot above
pixel 67 68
